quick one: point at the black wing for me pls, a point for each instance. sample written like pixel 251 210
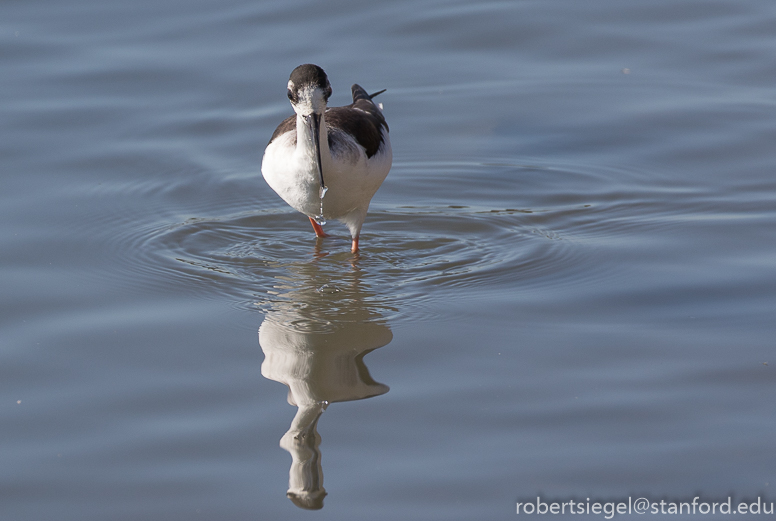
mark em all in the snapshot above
pixel 361 119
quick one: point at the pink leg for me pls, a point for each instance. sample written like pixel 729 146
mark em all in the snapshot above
pixel 318 230
pixel 354 247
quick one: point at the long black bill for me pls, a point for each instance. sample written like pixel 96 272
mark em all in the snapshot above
pixel 315 128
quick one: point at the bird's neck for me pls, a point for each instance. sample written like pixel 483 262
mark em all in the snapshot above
pixel 304 139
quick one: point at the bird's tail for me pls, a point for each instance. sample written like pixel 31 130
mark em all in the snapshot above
pixel 359 93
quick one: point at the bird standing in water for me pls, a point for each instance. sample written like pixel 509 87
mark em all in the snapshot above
pixel 327 163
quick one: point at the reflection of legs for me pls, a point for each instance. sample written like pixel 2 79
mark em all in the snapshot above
pixel 318 230
pixel 318 252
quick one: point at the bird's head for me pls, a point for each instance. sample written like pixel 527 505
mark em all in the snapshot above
pixel 308 90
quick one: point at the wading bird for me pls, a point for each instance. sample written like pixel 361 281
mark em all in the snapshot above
pixel 327 163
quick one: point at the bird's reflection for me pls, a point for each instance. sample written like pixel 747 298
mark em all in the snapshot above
pixel 315 335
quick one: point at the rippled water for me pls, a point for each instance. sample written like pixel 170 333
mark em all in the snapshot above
pixel 566 288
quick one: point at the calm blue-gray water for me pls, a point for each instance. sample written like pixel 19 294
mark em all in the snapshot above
pixel 566 289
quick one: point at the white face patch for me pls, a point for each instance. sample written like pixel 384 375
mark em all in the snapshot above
pixel 311 99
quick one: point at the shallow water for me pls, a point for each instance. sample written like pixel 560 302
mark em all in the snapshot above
pixel 567 283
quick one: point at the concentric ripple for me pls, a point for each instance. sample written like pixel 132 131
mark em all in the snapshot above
pixel 454 245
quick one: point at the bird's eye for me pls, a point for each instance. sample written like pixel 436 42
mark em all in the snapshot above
pixel 290 95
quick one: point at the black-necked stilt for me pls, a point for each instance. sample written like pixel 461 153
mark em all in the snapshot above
pixel 343 153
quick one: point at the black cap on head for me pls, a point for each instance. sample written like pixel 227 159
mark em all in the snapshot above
pixel 309 74
pixel 306 75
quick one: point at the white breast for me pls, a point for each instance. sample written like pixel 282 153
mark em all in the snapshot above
pixel 352 178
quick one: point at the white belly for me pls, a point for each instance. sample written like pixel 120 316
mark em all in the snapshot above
pixel 351 178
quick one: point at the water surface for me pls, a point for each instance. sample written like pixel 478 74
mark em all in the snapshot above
pixel 566 287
